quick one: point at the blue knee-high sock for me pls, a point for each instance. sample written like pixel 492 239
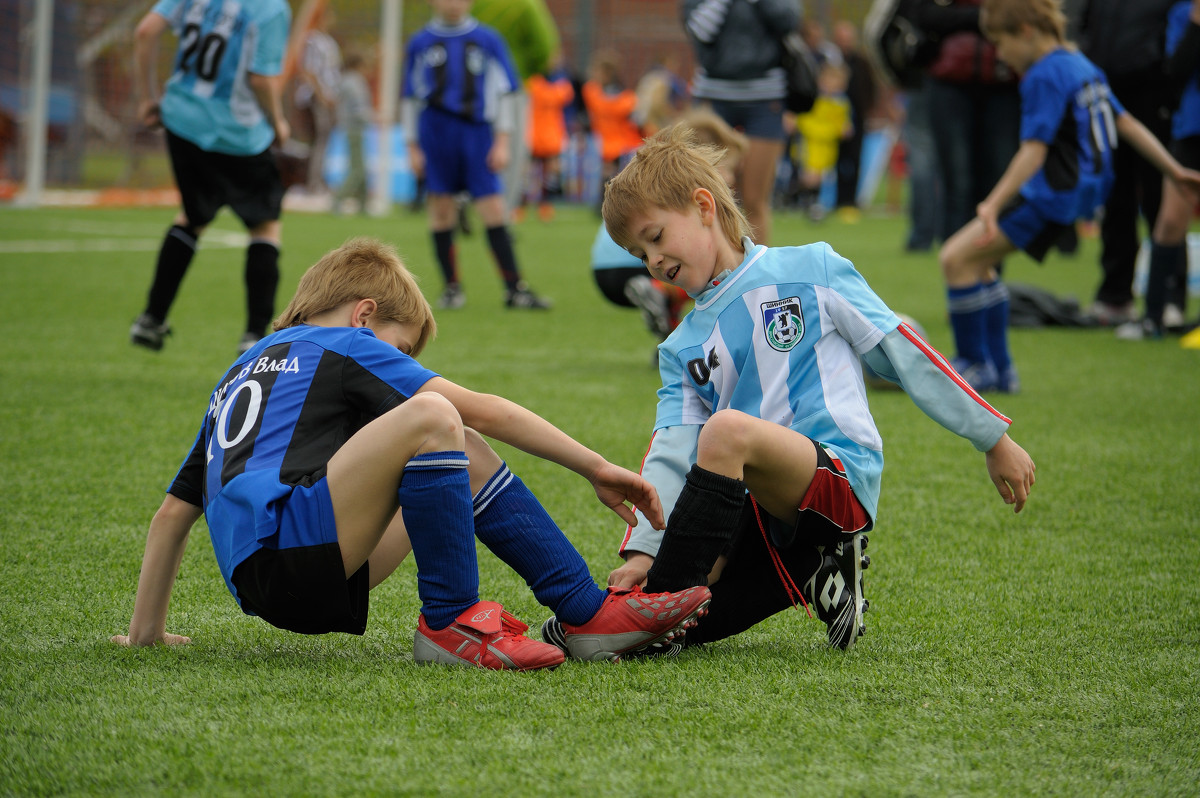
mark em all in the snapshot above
pixel 435 499
pixel 968 320
pixel 511 522
pixel 997 325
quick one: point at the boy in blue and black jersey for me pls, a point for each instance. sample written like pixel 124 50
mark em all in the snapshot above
pixel 459 106
pixel 327 452
pixel 1070 124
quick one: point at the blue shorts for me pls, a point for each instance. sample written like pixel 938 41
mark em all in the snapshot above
pixel 1029 230
pixel 299 582
pixel 456 154
pixel 758 119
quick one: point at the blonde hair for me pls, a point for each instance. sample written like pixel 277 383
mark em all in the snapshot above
pixel 664 173
pixel 709 128
pixel 998 17
pixel 362 268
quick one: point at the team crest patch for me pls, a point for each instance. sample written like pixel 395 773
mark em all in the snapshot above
pixel 783 323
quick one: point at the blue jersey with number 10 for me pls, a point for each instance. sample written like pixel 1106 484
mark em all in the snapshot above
pixel 208 100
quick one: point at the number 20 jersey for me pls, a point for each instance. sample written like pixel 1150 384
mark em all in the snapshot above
pixel 208 99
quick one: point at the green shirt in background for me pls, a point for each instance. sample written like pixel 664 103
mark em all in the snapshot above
pixel 527 27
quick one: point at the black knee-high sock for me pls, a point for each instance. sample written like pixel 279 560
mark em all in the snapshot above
pixel 174 257
pixel 1164 260
pixel 506 260
pixel 262 279
pixel 443 249
pixel 703 523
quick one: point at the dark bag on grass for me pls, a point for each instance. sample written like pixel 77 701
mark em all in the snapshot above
pixel 801 68
pixel 1029 306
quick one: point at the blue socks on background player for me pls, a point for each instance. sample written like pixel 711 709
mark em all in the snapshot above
pixel 979 319
pixel 515 527
pixel 435 500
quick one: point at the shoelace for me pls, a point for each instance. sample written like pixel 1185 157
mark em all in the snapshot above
pixel 511 625
pixel 789 586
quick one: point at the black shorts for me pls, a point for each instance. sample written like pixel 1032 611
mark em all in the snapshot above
pixel 249 184
pixel 304 589
pixel 611 282
pixel 1187 151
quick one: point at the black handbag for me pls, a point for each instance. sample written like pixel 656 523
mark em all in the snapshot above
pixel 801 69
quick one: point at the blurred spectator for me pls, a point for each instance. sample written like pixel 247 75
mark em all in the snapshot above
pixel 823 129
pixel 661 96
pixel 974 108
pixel 862 92
pixel 316 97
pixel 549 96
pixel 738 72
pixel 1166 283
pixel 1126 40
pixel 610 109
pixel 354 113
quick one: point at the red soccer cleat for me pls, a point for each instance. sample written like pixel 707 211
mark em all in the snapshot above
pixel 630 620
pixel 484 636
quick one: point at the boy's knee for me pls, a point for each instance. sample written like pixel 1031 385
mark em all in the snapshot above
pixel 725 434
pixel 436 420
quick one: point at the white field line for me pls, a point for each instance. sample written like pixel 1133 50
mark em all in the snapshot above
pixel 83 240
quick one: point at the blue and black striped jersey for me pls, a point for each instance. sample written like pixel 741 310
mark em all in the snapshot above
pixel 1066 103
pixel 462 69
pixel 277 417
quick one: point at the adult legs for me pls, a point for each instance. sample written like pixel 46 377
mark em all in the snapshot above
pixel 1136 191
pixel 757 183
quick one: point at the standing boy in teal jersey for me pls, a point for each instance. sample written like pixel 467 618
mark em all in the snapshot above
pixel 222 110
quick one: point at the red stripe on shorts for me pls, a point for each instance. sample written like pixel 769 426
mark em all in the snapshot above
pixel 830 496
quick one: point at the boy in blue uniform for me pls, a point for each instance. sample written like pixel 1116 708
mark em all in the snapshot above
pixel 222 110
pixel 1070 122
pixel 458 113
pixel 764 452
pixel 327 453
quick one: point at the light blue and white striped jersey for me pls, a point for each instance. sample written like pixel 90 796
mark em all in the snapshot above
pixel 779 339
pixel 207 99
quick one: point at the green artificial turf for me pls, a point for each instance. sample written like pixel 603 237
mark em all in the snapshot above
pixel 1055 652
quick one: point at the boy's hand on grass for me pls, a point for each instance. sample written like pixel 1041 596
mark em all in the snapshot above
pixel 1012 472
pixel 167 639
